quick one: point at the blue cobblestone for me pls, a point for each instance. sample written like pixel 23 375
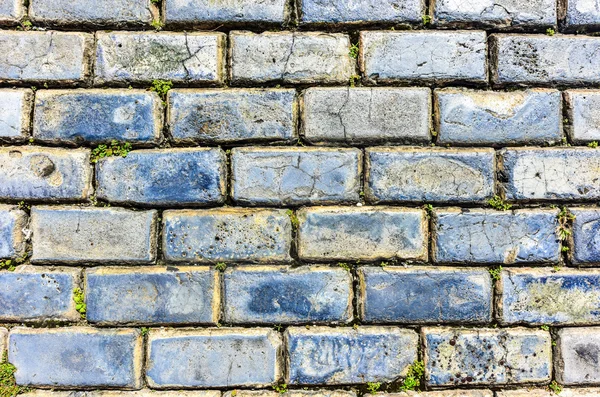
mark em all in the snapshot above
pixel 586 236
pixel 13 223
pixel 15 113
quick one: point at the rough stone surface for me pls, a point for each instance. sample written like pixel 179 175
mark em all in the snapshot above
pixel 13 223
pixel 577 356
pixel 361 11
pixel 209 12
pixel 290 393
pixel 3 338
pixel 15 112
pixel 581 14
pixel 128 393
pixel 441 393
pixel 583 109
pixel 11 12
pixel 586 238
pixel 566 392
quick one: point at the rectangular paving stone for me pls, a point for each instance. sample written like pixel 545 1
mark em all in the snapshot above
pixel 51 57
pixel 577 356
pixel 582 108
pixel 285 295
pixel 232 115
pixel 580 15
pixel 3 339
pixel 227 235
pixel 97 116
pixel 161 177
pixel 76 357
pixel 13 225
pixel 141 57
pixel 465 357
pixel 541 296
pixel 575 392
pixel 424 295
pixel 337 356
pixel 441 393
pixel 362 233
pixel 15 113
pixel 412 174
pixel 360 11
pixel 81 235
pixel 468 117
pixel 290 393
pixel 152 296
pixel 43 173
pixel 33 293
pixel 128 393
pixel 290 57
pixel 295 175
pixel 360 115
pixel 226 357
pixel 11 12
pixel 205 13
pixel 585 240
pixel 423 56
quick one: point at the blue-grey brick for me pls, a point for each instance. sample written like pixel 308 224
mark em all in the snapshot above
pixel 551 173
pixel 410 174
pixel 53 57
pixel 226 357
pixel 13 225
pixel 227 235
pixel 290 57
pixel 33 293
pixel 184 295
pixel 581 14
pixel 208 12
pixel 583 108
pixel 366 115
pixel 424 295
pixel 76 357
pixel 190 176
pixel 586 237
pixel 455 356
pixel 577 356
pixel 337 356
pixel 541 296
pixel 97 116
pixel 285 295
pixel 546 392
pixel 42 173
pixel 294 175
pixel 480 236
pixel 88 235
pixel 426 56
pixel 135 393
pixel 11 12
pixel 528 117
pixel 362 233
pixel 141 57
pixel 15 113
pixel 444 393
pixel 232 115
pixel 3 338
pixel 291 393
pixel 361 11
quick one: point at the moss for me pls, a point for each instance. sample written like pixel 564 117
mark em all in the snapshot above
pixel 161 87
pixel 565 219
pixel 495 273
pixel 281 388
pixel 593 144
pixel 555 387
pixel 497 203
pixel 373 387
pixel 354 50
pixel 426 19
pixel 79 299
pixel 144 331
pixel 413 376
pixel 550 32
pixel 113 149
pixel 354 79
pixel 344 266
pixel 156 24
pixel 221 266
pixel 293 219
pixel 8 384
pixel 7 264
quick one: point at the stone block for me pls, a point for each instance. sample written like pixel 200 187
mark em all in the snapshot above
pixel 13 225
pixel 15 113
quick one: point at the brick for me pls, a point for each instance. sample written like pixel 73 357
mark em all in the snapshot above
pixel 581 14
pixel 124 57
pixel 290 57
pixel 3 338
pixel 50 57
pixel 363 233
pixel 361 11
pixel 577 356
pixel 585 242
pixel 42 173
pixel 465 357
pixel 76 357
pixel 579 392
pixel 335 356
pixel 97 116
pixel 478 236
pixel 160 177
pixel 285 295
pixel 468 117
pixel 232 115
pixel 226 357
pixel 424 295
pixel 13 223
pixel 290 393
pixel 441 393
pixel 582 107
pixel 206 13
pixel 551 173
pixel 11 12
pixel 295 176
pixel 82 235
pixel 227 235
pixel 425 56
pixel 411 174
pixel 184 295
pixel 544 60
pixel 366 115
pixel 121 393
pixel 15 113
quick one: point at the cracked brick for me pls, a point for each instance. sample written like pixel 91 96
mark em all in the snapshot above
pixel 361 11
pixel 583 109
pixel 207 13
pixel 577 351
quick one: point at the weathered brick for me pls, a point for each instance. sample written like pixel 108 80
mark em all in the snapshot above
pixel 577 356
pixel 11 12
pixel 330 356
pixel 226 357
pixel 123 57
pixel 467 117
pixel 579 392
pixel 293 175
pixel 227 235
pixel 363 233
pixel 89 235
pixel 455 356
pixel 361 11
pixel 42 173
pixel 424 295
pixel 186 176
pixel 76 357
pixel 183 295
pixel 15 113
pixel 410 174
pixel 285 295
pixel 121 393
pixel 581 14
pixel 51 57
pixel 544 60
pixel 551 173
pixel 3 338
pixel 97 115
pixel 366 115
pixel 205 13
pixel 583 107
pixel 586 237
pixel 290 57
pixel 441 393
pixel 232 115
pixel 479 236
pixel 290 393
pixel 424 56
pixel 13 223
